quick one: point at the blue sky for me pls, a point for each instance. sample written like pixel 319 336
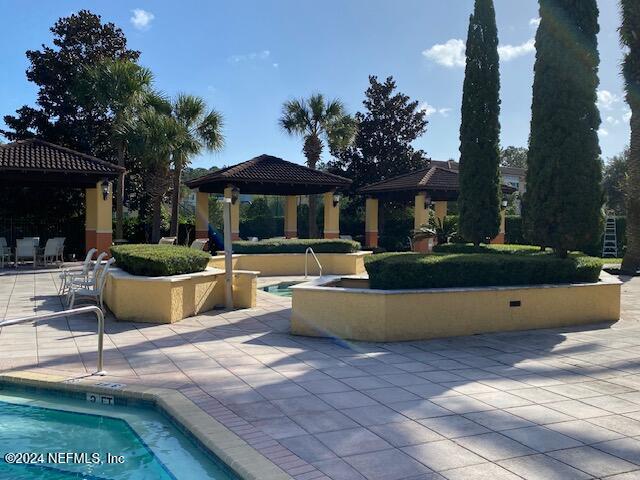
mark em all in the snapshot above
pixel 247 57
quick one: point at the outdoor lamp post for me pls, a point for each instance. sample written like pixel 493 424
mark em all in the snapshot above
pixel 105 189
pixel 504 204
pixel 336 199
pixel 235 195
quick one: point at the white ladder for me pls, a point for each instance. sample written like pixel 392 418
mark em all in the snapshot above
pixel 610 240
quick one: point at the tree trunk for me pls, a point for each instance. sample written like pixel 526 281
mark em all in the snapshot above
pixel 157 218
pixel 120 194
pixel 631 261
pixel 312 150
pixel 175 199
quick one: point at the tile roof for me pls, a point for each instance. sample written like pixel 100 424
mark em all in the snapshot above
pixel 41 156
pixel 266 169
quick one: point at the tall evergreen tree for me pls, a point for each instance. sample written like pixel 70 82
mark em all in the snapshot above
pixel 562 205
pixel 479 199
pixel 630 38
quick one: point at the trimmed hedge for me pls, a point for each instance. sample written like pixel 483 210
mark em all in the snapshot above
pixel 497 248
pixel 389 271
pixel 159 260
pixel 296 246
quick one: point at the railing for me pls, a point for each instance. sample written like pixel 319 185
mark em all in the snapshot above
pixel 306 257
pixel 67 313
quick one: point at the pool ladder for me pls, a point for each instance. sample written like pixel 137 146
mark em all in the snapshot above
pixel 68 313
pixel 306 258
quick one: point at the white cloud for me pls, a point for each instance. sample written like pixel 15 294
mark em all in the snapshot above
pixel 430 110
pixel 262 55
pixel 606 99
pixel 627 116
pixel 444 111
pixel 612 120
pixel 275 65
pixel 509 52
pixel 535 22
pixel 141 19
pixel 603 132
pixel 449 54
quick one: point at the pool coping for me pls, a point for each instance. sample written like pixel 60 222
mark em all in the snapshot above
pixel 242 459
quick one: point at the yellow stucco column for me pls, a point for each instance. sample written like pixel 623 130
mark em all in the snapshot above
pixel 291 217
pixel 202 214
pixel 500 238
pixel 421 211
pixel 331 217
pixel 371 223
pixel 98 218
pixel 235 215
pixel 441 210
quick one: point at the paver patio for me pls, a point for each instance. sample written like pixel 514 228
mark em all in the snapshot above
pixel 552 404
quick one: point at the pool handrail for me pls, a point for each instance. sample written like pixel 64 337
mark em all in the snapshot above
pixel 67 313
pixel 306 257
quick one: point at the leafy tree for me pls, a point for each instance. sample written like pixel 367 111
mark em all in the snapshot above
pixel 514 157
pixel 614 182
pixel 202 129
pixel 562 205
pixel 630 38
pixel 383 144
pixel 479 199
pixel 121 87
pixel 79 40
pixel 317 121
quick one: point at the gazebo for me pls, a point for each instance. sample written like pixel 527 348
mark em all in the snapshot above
pixel 34 162
pixel 434 186
pixel 269 175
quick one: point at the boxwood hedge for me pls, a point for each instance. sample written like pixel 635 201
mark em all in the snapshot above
pixel 496 248
pixel 414 271
pixel 159 260
pixel 296 246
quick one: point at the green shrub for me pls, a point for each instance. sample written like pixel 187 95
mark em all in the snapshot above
pixel 514 230
pixel 393 271
pixel 296 246
pixel 497 248
pixel 159 260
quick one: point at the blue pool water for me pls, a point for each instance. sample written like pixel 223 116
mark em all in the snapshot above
pixel 282 289
pixel 58 427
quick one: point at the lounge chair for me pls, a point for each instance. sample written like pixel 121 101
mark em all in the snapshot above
pixel 5 252
pixel 60 254
pixel 94 293
pixel 87 281
pixel 69 274
pixel 25 248
pixel 167 241
pixel 199 243
pixel 51 252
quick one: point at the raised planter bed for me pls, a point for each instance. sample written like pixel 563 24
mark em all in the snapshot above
pixel 346 308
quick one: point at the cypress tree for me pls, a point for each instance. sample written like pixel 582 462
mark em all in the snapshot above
pixel 563 201
pixel 479 200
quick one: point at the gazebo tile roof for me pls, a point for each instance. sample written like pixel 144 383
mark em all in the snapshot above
pixel 38 155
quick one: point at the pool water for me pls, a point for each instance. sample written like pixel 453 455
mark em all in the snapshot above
pixel 282 289
pixel 151 447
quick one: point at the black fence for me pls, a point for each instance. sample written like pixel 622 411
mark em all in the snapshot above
pixel 72 229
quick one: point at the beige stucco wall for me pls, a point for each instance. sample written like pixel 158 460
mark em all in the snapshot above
pixel 170 299
pixel 271 264
pixel 396 315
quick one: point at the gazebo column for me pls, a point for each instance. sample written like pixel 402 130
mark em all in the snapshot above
pixel 291 217
pixel 331 217
pixel 371 223
pixel 440 210
pixel 235 212
pixel 98 218
pixel 421 210
pixel 202 214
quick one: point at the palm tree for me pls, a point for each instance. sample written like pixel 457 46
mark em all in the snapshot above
pixel 201 130
pixel 121 86
pixel 630 38
pixel 317 121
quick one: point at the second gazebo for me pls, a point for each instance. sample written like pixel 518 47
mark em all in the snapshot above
pixel 268 175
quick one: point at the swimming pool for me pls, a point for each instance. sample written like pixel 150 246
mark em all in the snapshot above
pixel 59 438
pixel 282 289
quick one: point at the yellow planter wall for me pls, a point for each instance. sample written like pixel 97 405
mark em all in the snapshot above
pixel 394 315
pixel 170 299
pixel 271 264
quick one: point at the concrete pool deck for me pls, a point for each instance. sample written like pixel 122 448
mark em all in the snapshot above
pixel 560 403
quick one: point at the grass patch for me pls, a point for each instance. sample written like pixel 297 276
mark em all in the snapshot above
pixel 296 246
pixel 416 271
pixel 159 260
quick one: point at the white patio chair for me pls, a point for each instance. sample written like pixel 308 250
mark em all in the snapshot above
pixel 83 273
pixel 199 243
pixel 94 293
pixel 5 252
pixel 60 253
pixel 25 249
pixel 167 241
pixel 50 253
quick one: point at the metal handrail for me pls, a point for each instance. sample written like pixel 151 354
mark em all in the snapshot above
pixel 306 257
pixel 67 313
